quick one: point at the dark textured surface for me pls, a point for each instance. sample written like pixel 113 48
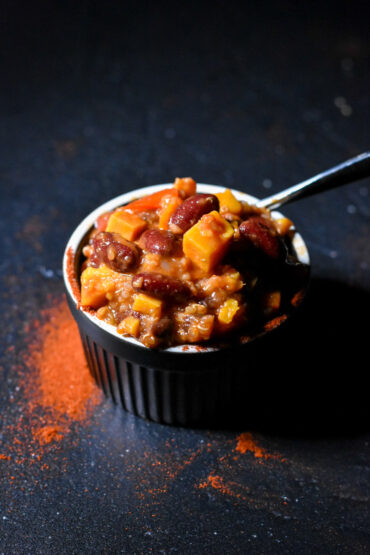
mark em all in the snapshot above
pixel 97 99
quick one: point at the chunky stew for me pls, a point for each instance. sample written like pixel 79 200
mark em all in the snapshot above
pixel 177 266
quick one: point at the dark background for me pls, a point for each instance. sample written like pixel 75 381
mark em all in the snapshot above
pixel 98 98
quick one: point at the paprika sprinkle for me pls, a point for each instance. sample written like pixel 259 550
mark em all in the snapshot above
pixel 247 443
pixel 65 386
pixel 57 390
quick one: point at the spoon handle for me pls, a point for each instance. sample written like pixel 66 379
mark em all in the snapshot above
pixel 347 172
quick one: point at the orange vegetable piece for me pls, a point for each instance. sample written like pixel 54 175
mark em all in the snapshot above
pixel 186 186
pixel 147 305
pixel 96 283
pixel 206 242
pixel 129 325
pixel 169 204
pixel 150 202
pixel 126 224
pixel 228 202
pixel 227 311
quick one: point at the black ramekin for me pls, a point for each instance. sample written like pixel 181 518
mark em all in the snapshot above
pixel 183 385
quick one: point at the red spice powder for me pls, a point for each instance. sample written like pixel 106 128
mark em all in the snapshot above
pixel 215 482
pixel 158 470
pixel 57 390
pixel 65 386
pixel 247 443
pixel 48 433
pixel 221 482
pixel 228 488
pixel 275 322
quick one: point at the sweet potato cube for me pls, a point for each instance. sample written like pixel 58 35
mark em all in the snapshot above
pixel 96 283
pixel 147 305
pixel 228 202
pixel 227 311
pixel 206 242
pixel 129 325
pixel 126 224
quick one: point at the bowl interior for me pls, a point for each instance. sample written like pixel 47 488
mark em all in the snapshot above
pixel 79 237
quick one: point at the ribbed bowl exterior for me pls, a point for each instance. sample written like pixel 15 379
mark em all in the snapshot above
pixel 168 397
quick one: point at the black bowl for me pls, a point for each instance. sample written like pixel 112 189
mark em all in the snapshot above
pixel 182 385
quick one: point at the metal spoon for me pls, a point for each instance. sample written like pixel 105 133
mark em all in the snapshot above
pixel 347 172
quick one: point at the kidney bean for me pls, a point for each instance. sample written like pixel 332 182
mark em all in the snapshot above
pixel 161 286
pixel 158 241
pixel 262 234
pixel 114 251
pixel 191 210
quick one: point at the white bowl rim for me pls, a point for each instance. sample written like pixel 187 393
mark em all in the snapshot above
pixel 88 222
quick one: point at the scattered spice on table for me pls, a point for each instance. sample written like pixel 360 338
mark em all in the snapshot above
pixel 230 488
pixel 56 389
pixel 46 434
pixel 65 389
pixel 247 444
pixel 217 482
pixel 222 477
pixel 57 392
